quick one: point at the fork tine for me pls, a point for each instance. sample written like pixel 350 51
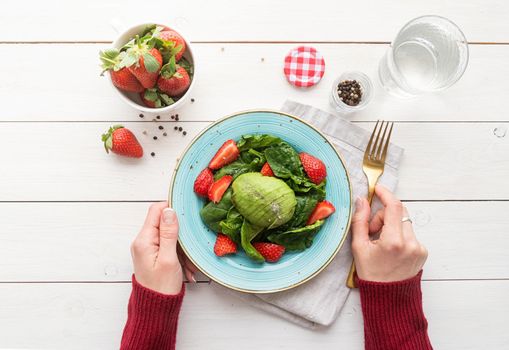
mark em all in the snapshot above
pixel 377 144
pixel 378 155
pixel 368 147
pixel 384 153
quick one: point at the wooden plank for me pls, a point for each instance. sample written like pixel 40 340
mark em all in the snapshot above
pixel 236 79
pixel 90 241
pixel 91 316
pixel 67 162
pixel 264 20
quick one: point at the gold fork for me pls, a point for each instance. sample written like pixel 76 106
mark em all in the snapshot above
pixel 373 167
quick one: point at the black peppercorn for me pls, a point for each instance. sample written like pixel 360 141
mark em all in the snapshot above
pixel 172 117
pixel 184 133
pixel 155 137
pixel 176 128
pixel 152 154
pixel 141 115
pixel 165 134
pixel 350 92
pixel 192 100
pixel 158 117
pixel 161 127
pixel 180 128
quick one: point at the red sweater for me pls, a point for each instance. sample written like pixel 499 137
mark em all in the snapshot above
pixel 393 317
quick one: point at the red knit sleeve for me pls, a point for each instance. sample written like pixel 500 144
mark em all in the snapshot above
pixel 393 315
pixel 151 319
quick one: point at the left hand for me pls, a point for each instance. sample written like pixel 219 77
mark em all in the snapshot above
pixel 154 252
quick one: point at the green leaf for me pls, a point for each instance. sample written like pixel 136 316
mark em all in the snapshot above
pixel 187 66
pixel 258 142
pixel 151 95
pixel 176 49
pixel 285 162
pixel 249 161
pixel 167 100
pixel 247 233
pixel 110 59
pixel 149 30
pixel 232 224
pixel 129 59
pixel 169 69
pixel 213 213
pixel 297 239
pixel 150 63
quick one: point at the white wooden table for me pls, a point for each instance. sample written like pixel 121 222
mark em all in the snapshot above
pixel 68 211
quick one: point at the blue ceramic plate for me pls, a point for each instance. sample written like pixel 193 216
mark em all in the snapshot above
pixel 238 271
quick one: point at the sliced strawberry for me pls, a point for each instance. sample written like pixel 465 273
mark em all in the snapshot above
pixel 314 167
pixel 224 245
pixel 270 251
pixel 219 187
pixel 203 182
pixel 226 154
pixel 266 170
pixel 321 211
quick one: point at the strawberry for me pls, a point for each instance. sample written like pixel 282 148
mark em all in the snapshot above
pixel 153 98
pixel 321 211
pixel 174 79
pixel 219 187
pixel 226 154
pixel 203 182
pixel 266 170
pixel 120 76
pixel 314 167
pixel 171 39
pixel 122 141
pixel 224 245
pixel 143 61
pixel 270 251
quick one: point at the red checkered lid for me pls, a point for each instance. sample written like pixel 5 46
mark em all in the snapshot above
pixel 304 66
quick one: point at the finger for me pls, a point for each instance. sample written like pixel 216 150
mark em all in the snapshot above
pixel 393 211
pixel 407 227
pixel 189 268
pixel 360 225
pixel 377 222
pixel 168 234
pixel 150 228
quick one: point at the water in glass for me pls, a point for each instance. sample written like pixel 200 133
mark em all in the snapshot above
pixel 430 53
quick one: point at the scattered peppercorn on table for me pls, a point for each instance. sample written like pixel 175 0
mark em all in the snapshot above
pixel 69 211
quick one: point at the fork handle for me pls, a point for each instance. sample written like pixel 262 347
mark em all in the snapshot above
pixel 350 280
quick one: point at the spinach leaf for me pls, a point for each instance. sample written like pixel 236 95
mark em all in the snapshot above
pixel 303 209
pixel 247 233
pixel 213 213
pixel 232 224
pixel 249 161
pixel 251 155
pixel 257 142
pixel 308 187
pixel 284 162
pixel 297 239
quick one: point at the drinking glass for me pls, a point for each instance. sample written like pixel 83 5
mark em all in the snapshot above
pixel 430 53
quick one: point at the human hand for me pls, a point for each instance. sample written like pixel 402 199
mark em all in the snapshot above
pixel 155 255
pixel 396 255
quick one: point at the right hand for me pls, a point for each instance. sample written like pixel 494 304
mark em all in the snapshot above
pixel 396 255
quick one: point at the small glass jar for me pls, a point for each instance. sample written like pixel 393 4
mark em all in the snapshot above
pixel 366 87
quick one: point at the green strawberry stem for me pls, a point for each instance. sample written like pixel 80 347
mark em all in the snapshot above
pixel 107 137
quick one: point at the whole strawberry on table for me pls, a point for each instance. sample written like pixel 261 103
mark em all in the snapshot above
pixel 264 197
pixel 152 65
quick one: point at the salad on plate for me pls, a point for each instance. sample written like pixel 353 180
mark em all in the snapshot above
pixel 263 197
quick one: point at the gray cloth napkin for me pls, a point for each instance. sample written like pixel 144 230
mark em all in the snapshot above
pixel 319 301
